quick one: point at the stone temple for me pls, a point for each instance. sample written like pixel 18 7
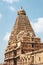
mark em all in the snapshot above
pixel 24 48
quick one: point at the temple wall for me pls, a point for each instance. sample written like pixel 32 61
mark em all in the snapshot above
pixel 11 62
pixel 38 58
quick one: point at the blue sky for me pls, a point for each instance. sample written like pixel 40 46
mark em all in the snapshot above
pixel 8 14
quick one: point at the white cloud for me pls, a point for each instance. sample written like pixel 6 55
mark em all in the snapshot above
pixel 6 37
pixel 12 8
pixel 0 15
pixel 38 25
pixel 11 1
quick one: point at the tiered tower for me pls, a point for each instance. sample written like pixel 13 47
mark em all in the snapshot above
pixel 22 39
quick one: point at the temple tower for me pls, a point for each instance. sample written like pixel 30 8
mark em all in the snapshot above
pixel 22 39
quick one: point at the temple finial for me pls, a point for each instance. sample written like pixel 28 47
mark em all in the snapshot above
pixel 21 8
pixel 21 5
pixel 21 11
